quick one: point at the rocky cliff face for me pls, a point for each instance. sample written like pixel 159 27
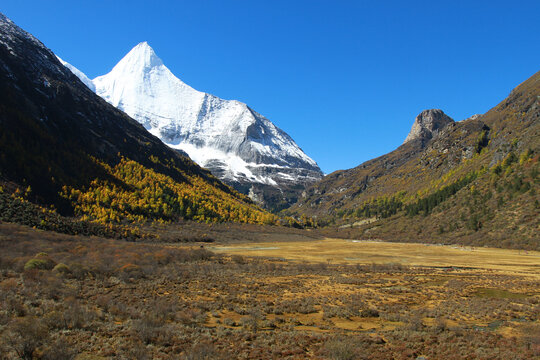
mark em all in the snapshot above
pixel 427 124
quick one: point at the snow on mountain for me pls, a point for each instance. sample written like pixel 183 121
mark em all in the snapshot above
pixel 79 74
pixel 226 136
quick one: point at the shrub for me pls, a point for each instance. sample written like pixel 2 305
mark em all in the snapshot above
pixel 55 320
pixel 341 349
pixel 104 302
pixel 191 317
pixel 164 309
pixel 14 305
pixel 24 336
pixel 62 269
pixel 147 328
pixel 369 313
pixel 138 351
pixel 130 272
pixel 39 264
pixel 77 316
pixel 239 259
pixel 78 271
pixel 59 350
pixel 73 316
pixel 8 285
pixel 204 351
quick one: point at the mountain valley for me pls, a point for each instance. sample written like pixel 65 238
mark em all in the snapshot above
pixel 143 219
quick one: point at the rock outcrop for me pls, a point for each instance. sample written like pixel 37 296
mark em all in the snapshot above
pixel 427 124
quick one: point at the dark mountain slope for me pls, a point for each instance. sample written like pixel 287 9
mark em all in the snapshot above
pixel 58 137
pixel 474 181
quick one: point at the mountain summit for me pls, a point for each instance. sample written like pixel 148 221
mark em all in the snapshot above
pixel 237 144
pixel 427 124
pixel 144 88
pixel 141 55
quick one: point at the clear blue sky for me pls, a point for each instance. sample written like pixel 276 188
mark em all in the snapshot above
pixel 344 78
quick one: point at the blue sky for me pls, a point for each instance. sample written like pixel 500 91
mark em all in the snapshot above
pixel 344 78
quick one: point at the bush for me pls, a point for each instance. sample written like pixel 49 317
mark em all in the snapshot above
pixel 24 336
pixel 138 351
pixel 369 313
pixel 238 259
pixel 77 316
pixel 79 271
pixel 59 350
pixel 341 349
pixel 62 269
pixel 204 351
pixel 130 272
pixel 39 264
pixel 147 328
pixel 14 305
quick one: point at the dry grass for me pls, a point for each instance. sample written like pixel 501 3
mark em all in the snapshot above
pixel 125 300
pixel 341 251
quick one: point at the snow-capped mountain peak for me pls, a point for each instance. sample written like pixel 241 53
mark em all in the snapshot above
pixel 239 145
pixel 141 58
pixel 142 86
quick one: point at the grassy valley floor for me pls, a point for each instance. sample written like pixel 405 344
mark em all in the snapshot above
pixel 340 251
pixel 74 297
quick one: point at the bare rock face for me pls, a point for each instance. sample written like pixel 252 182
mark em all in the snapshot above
pixel 474 117
pixel 427 124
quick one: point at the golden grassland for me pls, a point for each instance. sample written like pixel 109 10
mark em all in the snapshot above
pixel 367 252
pixel 75 297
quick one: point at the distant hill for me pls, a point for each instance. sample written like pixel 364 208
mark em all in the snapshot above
pixel 63 146
pixel 474 181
